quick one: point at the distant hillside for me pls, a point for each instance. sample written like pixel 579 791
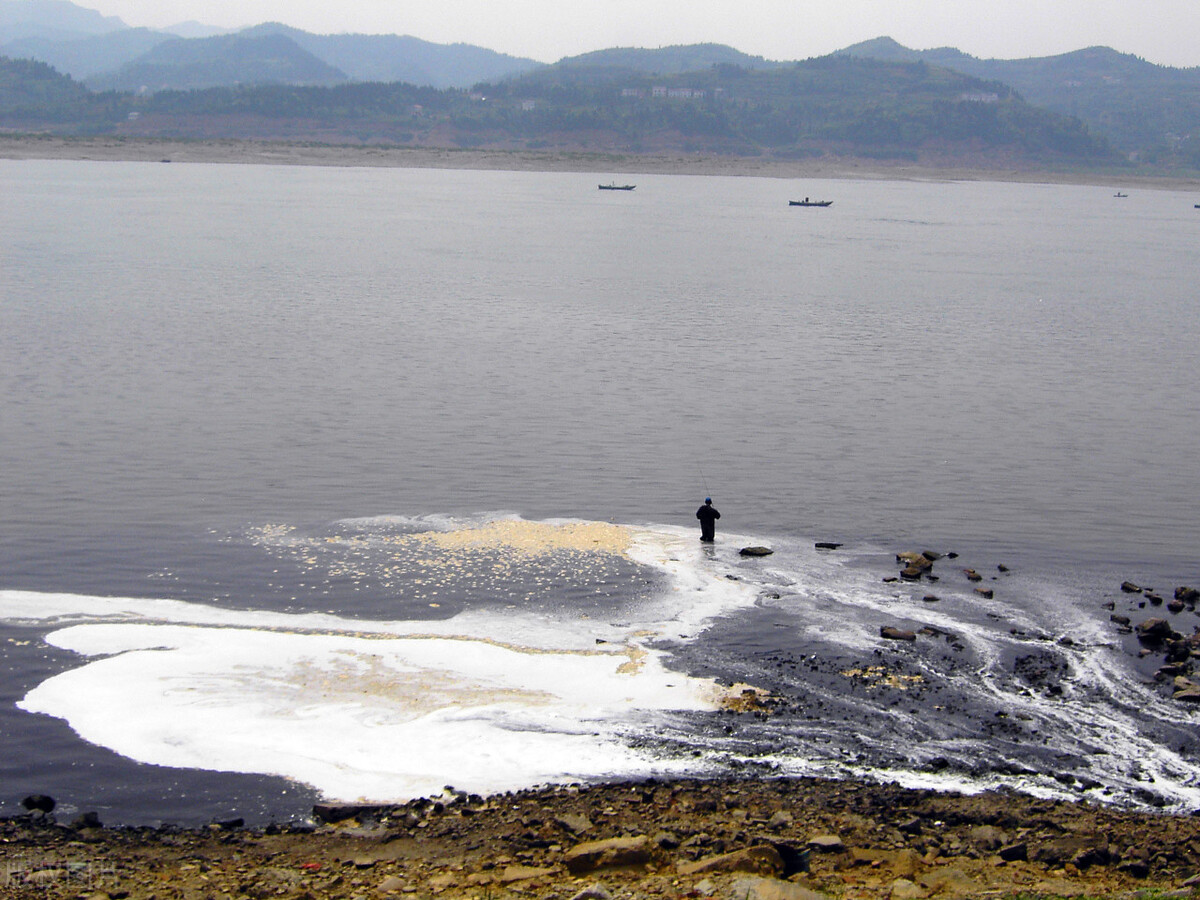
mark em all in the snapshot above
pixel 52 19
pixel 379 57
pixel 29 85
pixel 1150 111
pixel 833 105
pixel 666 60
pixel 84 57
pixel 180 64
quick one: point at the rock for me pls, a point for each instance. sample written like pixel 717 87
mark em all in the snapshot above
pixel 1014 852
pixel 1187 595
pixel 756 551
pixel 391 884
pixel 780 820
pixel 595 891
pixel 950 882
pixel 931 598
pixel 902 863
pixel 972 575
pixel 896 634
pixel 615 852
pixel 87 820
pixel 513 874
pixel 1120 620
pixel 762 859
pixel 1154 630
pixel 40 802
pixel 912 573
pixel 771 889
pixel 986 593
pixel 339 812
pixel 1187 695
pixel 903 889
pixel 575 823
pixel 827 545
pixel 1155 599
pixel 1130 588
pixel 1176 606
pixel 666 840
pixel 987 837
pixel 826 843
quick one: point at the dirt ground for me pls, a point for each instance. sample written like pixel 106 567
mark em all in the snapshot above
pixel 742 840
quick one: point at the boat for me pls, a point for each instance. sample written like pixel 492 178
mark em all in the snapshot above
pixel 613 186
pixel 1119 194
pixel 807 202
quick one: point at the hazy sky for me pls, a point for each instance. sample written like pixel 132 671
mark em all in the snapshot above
pixel 1162 31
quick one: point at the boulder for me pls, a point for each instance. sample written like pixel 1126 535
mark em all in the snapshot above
pixel 574 822
pixel 827 545
pixel 896 634
pixel 612 853
pixel 330 813
pixel 1187 595
pixel 762 860
pixel 972 575
pixel 826 843
pixel 595 891
pixel 514 874
pixel 986 593
pixel 756 551
pixel 39 802
pixel 1130 588
pixel 1154 630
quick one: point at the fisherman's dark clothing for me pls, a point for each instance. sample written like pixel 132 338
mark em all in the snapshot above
pixel 708 515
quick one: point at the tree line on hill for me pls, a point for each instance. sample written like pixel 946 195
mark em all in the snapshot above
pixel 831 105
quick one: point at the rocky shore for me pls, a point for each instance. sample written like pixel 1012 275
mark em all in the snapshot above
pixel 790 839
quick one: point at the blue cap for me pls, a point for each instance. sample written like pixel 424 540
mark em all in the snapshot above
pixel 708 499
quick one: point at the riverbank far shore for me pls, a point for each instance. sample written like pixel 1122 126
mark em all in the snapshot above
pixel 795 839
pixel 310 154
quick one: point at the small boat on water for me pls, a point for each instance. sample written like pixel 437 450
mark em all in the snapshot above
pixel 1119 194
pixel 807 202
pixel 613 186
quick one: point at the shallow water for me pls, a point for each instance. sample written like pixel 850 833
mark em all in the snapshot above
pixel 246 388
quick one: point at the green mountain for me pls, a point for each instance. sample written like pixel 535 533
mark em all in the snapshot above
pixel 180 64
pixel 52 19
pixel 838 104
pixel 385 57
pixel 665 60
pixel 87 56
pixel 1146 111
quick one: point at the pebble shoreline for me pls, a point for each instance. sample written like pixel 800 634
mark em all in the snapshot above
pixel 789 839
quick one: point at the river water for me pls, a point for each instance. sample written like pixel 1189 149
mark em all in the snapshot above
pixel 361 482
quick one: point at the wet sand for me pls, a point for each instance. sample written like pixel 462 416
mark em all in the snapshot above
pixel 604 164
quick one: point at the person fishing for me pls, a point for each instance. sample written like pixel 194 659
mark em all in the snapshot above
pixel 708 515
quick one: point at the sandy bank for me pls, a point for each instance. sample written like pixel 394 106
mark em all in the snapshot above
pixel 297 154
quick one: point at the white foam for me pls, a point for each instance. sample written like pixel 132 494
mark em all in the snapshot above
pixel 378 718
pixel 485 701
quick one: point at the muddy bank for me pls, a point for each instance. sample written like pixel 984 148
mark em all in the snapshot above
pixel 649 839
pixel 310 154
